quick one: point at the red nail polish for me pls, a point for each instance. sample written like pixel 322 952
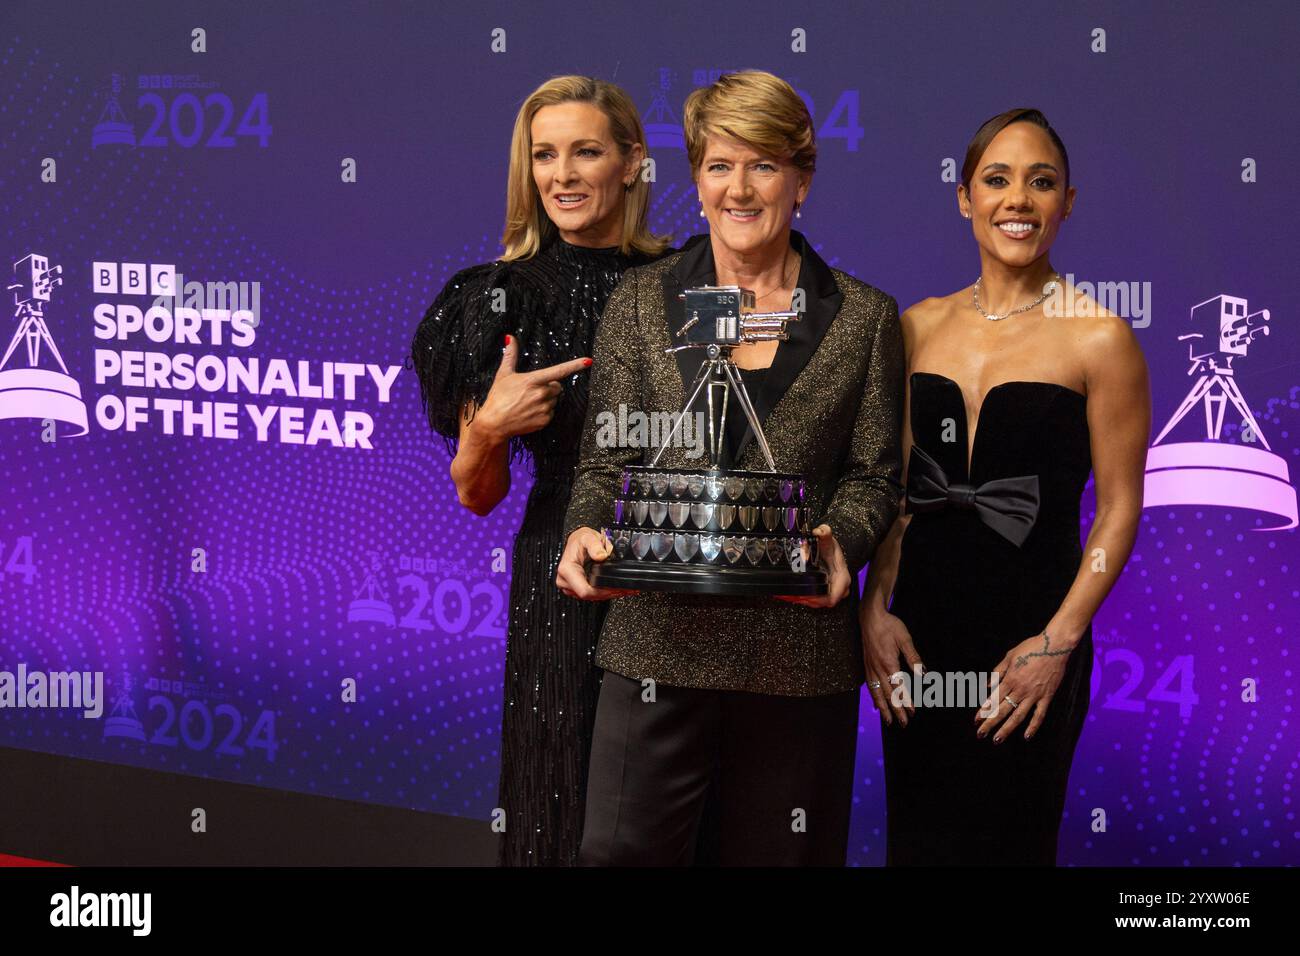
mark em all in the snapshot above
pixel 587 362
pixel 507 340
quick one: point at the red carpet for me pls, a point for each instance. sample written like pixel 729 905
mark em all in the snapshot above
pixel 6 860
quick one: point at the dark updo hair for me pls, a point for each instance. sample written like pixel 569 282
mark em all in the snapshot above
pixel 997 124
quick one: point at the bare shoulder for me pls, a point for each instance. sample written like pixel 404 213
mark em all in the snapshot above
pixel 924 311
pixel 1109 352
pixel 924 316
pixel 1097 329
pixel 1107 331
pixel 938 307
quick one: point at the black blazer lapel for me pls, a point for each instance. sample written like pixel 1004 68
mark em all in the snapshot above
pixel 822 302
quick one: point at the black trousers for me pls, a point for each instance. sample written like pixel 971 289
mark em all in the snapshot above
pixel 782 768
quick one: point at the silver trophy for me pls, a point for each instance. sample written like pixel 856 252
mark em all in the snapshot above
pixel 715 530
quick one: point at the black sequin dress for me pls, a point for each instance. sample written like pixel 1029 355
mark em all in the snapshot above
pixel 552 304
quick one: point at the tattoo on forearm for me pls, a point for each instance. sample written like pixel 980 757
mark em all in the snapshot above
pixel 1047 651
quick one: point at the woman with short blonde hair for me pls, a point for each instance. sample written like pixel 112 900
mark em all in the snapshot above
pixel 755 108
pixel 755 696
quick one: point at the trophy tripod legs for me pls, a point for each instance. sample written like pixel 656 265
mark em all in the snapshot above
pixel 718 430
pixel 719 372
pixel 743 397
pixel 700 379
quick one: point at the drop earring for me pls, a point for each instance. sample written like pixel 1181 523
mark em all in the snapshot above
pixel 797 213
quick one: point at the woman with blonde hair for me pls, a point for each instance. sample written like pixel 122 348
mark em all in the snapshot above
pixel 502 355
pixel 756 697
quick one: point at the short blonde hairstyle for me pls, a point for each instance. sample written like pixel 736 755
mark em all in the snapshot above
pixel 527 225
pixel 755 108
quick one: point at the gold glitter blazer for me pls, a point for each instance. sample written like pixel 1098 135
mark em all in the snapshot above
pixel 830 406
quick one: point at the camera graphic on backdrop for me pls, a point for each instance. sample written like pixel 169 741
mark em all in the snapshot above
pixel 31 391
pixel 1213 472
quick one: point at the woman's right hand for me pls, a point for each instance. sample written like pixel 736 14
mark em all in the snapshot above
pixel 886 650
pixel 520 403
pixel 571 576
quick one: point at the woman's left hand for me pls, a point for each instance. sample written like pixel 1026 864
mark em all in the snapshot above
pixel 838 578
pixel 1028 675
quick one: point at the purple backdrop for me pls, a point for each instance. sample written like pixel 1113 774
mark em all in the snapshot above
pixel 227 586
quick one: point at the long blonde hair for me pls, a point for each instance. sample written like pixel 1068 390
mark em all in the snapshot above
pixel 527 225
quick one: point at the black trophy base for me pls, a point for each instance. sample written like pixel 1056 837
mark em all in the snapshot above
pixel 701 579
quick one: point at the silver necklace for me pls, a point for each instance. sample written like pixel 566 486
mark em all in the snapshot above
pixel 1047 290
pixel 784 278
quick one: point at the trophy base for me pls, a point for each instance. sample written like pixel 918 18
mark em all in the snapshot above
pixel 699 579
pixel 718 532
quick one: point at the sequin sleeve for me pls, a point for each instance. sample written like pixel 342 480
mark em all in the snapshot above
pixel 457 349
pixel 865 501
pixel 615 381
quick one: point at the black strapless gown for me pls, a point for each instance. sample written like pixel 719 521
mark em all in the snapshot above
pixel 967 595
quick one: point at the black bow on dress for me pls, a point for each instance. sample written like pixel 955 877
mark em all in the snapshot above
pixel 1007 505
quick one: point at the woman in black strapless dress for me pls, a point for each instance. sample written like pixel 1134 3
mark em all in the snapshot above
pixel 966 594
pixel 987 574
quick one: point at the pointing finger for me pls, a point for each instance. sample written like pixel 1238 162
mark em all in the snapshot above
pixel 555 373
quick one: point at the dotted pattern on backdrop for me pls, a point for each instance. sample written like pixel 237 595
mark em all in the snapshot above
pixel 113 518
pixel 287 531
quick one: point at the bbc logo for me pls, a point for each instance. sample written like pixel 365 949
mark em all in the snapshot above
pixel 133 278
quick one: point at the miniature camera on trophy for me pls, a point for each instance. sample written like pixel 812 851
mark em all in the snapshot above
pixel 715 530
